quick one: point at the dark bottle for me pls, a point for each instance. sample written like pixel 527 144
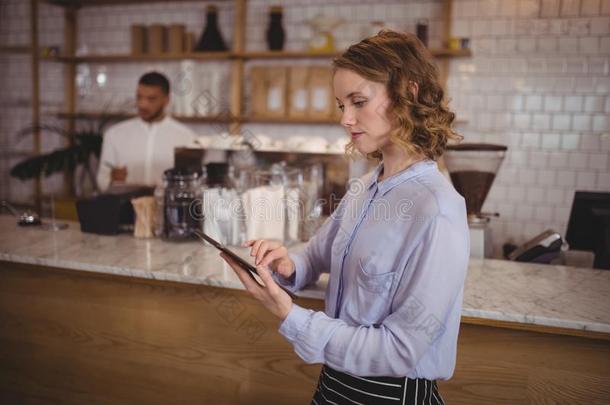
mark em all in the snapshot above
pixel 275 32
pixel 422 31
pixel 211 39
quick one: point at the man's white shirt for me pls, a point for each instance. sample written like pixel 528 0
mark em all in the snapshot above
pixel 146 149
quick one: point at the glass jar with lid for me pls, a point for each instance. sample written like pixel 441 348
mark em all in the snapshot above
pixel 182 206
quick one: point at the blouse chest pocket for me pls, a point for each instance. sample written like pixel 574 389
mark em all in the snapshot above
pixel 373 289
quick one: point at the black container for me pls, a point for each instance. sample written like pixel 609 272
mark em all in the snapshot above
pixel 275 32
pixel 211 38
pixel 217 174
pixel 110 213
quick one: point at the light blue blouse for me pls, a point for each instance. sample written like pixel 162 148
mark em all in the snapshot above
pixel 397 253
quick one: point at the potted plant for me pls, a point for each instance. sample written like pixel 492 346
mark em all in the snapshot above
pixel 79 159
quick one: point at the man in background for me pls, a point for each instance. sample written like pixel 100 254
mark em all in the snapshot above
pixel 139 150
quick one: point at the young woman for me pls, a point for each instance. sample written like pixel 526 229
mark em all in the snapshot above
pixel 396 247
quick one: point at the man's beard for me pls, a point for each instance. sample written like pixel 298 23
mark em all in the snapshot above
pixel 154 116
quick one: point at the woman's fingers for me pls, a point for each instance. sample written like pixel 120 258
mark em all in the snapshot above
pixel 273 255
pixel 262 250
pixel 261 247
pixel 255 246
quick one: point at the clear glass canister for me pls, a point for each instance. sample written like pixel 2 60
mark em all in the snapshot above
pixel 182 204
pixel 272 202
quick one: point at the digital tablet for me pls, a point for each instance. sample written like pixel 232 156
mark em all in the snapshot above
pixel 251 270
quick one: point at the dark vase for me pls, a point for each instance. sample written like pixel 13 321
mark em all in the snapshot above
pixel 275 32
pixel 211 39
pixel 422 31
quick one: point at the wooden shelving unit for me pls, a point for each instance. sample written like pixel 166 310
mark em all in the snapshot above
pixel 237 58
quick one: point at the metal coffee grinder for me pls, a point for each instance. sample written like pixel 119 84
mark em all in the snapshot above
pixel 473 168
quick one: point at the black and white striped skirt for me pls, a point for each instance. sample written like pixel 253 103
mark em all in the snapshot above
pixel 335 387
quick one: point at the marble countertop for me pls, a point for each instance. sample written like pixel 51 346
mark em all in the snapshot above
pixel 558 296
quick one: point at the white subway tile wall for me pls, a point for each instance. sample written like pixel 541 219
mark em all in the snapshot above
pixel 552 57
pixel 538 82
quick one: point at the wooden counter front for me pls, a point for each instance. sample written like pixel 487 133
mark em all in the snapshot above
pixel 81 338
pixel 75 337
pixel 502 366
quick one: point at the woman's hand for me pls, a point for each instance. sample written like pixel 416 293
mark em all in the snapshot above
pixel 276 300
pixel 272 254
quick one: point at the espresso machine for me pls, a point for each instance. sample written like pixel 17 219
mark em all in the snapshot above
pixel 473 168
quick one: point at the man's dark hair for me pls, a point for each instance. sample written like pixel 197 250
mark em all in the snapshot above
pixel 155 79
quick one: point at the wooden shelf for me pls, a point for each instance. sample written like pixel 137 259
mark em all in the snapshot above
pixel 15 49
pixel 286 55
pixel 288 120
pixel 189 56
pixel 95 3
pixel 15 104
pixel 222 119
pixel 140 58
pixel 201 119
pixel 439 53
pixel 451 53
pixel 211 119
pixel 20 205
pixel 16 154
pixel 93 115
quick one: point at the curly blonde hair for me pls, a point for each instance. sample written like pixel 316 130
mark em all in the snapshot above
pixel 421 122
